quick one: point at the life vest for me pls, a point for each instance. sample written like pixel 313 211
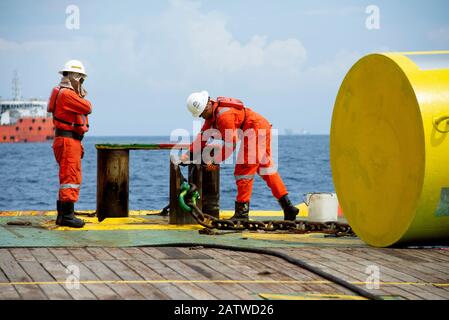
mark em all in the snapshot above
pixel 51 107
pixel 230 103
pixel 224 102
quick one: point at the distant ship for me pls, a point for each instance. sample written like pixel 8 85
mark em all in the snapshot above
pixel 291 132
pixel 24 120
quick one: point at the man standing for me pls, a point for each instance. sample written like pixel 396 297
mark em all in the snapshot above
pixel 70 110
pixel 235 122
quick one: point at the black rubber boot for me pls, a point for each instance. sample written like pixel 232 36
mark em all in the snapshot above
pixel 59 217
pixel 66 215
pixel 290 211
pixel 241 211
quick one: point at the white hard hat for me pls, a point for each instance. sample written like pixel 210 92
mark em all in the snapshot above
pixel 197 102
pixel 74 66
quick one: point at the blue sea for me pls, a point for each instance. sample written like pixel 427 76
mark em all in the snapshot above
pixel 29 174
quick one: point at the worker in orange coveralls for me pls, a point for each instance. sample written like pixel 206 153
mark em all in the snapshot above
pixel 70 109
pixel 234 121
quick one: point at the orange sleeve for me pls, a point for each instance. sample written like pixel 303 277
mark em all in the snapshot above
pixel 74 103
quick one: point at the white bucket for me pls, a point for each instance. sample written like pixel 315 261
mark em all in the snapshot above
pixel 323 207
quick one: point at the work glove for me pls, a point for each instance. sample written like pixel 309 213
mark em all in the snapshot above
pixel 185 158
pixel 211 166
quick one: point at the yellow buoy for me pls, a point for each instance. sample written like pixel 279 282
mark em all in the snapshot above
pixel 390 148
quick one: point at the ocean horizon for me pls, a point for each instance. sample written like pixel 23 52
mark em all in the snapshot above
pixel 29 174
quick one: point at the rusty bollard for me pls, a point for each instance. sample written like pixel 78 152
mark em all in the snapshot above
pixel 211 191
pixel 112 183
pixel 177 215
pixel 208 186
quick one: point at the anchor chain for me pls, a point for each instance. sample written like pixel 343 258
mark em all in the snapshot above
pixel 189 196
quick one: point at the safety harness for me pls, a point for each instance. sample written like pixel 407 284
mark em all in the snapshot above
pixel 66 133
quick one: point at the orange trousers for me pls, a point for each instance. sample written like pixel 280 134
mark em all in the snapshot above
pixel 255 157
pixel 68 153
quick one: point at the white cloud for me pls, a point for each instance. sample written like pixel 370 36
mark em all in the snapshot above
pixel 182 48
pixel 200 46
pixel 153 65
pixel 213 46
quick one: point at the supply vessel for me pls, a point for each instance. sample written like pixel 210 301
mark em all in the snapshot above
pixel 24 120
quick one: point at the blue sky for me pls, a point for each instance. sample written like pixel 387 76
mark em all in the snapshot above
pixel 285 59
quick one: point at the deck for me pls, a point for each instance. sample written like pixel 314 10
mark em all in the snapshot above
pixel 63 264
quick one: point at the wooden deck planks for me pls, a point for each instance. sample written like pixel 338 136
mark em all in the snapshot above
pixel 218 273
pixel 42 254
pixel 58 272
pixel 170 290
pixel 99 253
pixel 38 274
pixel 125 273
pixel 188 273
pixel 14 273
pixel 104 273
pixel 45 269
pixel 193 290
pixel 149 257
pixel 343 268
pixel 355 267
pixel 227 272
pixel 7 292
pixel 296 273
pixel 392 265
pixel 345 272
pixel 242 263
pixel 22 254
pixel 403 272
pixel 237 290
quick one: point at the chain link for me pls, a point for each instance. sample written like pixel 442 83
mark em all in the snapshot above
pixel 189 195
pixel 299 227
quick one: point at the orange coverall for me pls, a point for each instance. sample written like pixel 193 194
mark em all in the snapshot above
pixel 68 152
pixel 248 163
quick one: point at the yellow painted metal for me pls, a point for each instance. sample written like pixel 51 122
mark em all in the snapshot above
pixel 135 221
pixel 390 148
pixel 53 213
pixel 130 223
pixel 303 212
